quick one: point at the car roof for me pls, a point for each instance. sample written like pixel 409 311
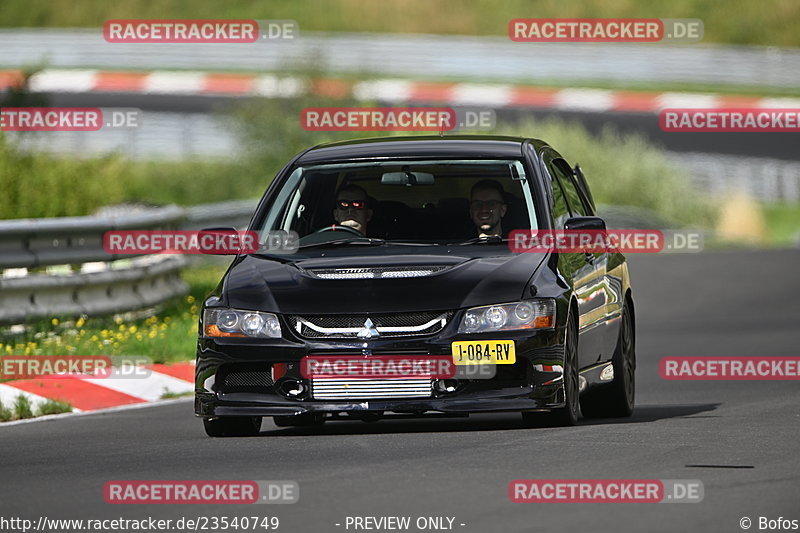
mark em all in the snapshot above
pixel 460 146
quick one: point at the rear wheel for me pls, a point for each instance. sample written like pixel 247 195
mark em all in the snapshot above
pixel 567 415
pixel 616 400
pixel 232 426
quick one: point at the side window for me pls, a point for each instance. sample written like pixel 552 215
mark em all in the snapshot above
pixel 562 172
pixel 560 207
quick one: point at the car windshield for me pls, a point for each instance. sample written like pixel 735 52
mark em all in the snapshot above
pixel 441 202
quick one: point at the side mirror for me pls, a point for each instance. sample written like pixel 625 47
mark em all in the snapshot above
pixel 226 241
pixel 585 223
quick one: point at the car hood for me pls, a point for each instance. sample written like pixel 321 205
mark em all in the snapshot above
pixel 258 283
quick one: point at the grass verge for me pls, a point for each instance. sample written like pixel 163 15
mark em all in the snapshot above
pixel 726 21
pixel 783 224
pixel 22 409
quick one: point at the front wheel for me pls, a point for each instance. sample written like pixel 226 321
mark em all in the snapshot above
pixel 616 399
pixel 567 415
pixel 232 426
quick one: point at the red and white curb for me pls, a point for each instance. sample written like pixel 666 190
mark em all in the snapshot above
pixel 91 394
pixel 396 91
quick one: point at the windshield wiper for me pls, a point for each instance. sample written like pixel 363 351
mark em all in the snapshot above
pixel 352 240
pixel 485 239
pixel 272 257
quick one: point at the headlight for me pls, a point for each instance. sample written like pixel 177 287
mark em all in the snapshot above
pixel 235 323
pixel 530 314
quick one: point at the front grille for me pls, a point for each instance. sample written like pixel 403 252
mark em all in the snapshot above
pixel 364 389
pixel 249 379
pixel 376 272
pixel 368 326
pixel 245 378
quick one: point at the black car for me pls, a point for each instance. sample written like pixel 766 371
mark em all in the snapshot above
pixel 403 250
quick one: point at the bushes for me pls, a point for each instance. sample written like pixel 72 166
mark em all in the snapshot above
pixel 622 169
pixel 41 185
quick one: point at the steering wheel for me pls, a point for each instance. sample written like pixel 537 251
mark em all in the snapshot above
pixel 339 227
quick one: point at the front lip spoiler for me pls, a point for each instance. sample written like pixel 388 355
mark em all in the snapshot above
pixel 250 404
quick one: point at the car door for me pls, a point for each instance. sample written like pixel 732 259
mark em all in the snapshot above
pixel 609 265
pixel 586 269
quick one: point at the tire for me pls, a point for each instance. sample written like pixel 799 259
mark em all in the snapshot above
pixel 616 399
pixel 302 420
pixel 233 426
pixel 567 415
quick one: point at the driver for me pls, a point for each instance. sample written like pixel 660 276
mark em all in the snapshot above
pixel 487 207
pixel 351 208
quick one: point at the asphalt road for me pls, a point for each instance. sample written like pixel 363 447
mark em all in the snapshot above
pixel 746 433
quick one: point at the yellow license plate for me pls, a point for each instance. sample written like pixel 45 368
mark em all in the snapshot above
pixel 484 353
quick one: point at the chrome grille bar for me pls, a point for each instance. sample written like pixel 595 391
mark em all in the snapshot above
pixel 343 389
pixel 442 319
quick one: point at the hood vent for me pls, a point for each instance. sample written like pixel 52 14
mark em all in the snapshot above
pixel 383 272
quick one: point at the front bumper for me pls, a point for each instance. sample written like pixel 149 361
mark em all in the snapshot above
pixel 519 387
pixel 251 404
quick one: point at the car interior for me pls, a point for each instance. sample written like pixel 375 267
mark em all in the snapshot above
pixel 437 211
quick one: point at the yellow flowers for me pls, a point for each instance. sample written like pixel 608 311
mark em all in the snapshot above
pixel 164 337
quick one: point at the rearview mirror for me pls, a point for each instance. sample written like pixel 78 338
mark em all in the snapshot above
pixel 407 178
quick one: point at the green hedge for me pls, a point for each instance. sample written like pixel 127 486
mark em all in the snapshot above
pixel 622 169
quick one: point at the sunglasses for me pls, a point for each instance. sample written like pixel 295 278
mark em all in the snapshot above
pixel 347 204
pixel 490 204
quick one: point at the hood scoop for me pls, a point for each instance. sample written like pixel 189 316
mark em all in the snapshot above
pixel 377 272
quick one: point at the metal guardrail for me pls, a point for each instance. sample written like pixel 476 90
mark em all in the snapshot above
pixel 419 56
pixel 770 181
pixel 104 283
pixel 145 283
pixel 73 240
